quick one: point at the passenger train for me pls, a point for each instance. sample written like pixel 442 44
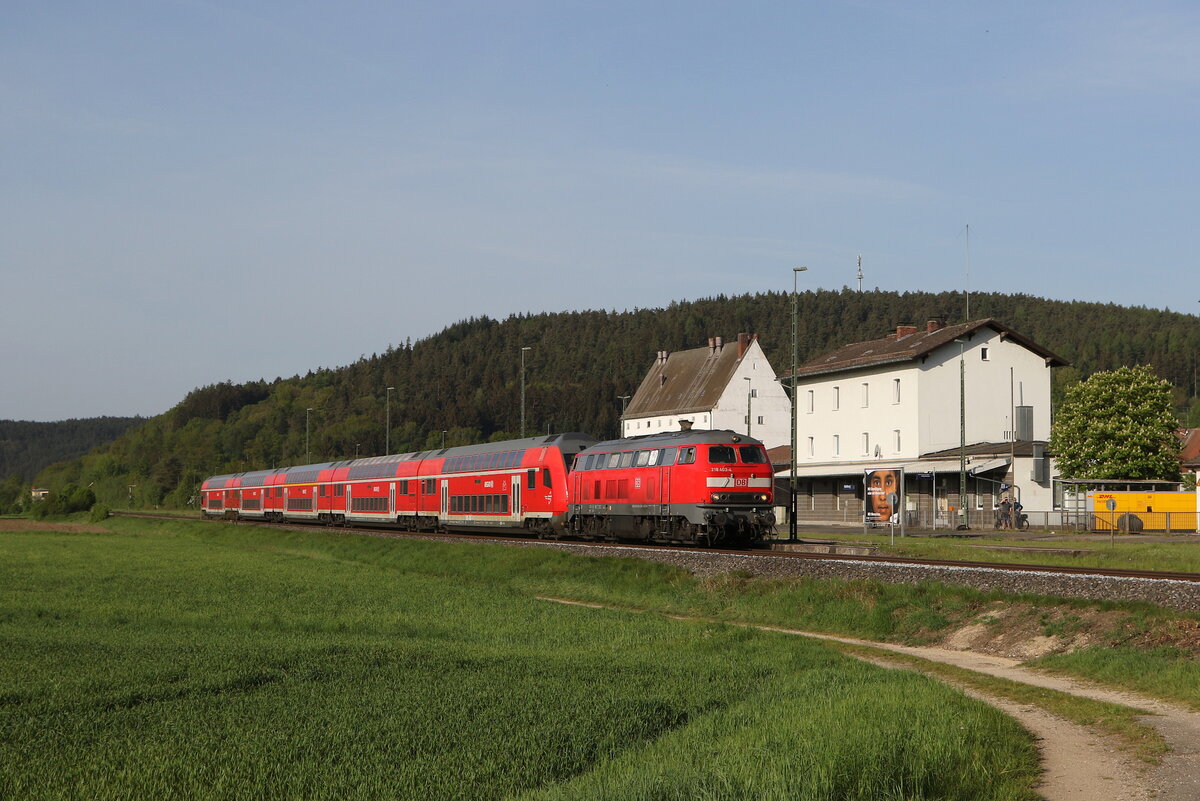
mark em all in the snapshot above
pixel 706 488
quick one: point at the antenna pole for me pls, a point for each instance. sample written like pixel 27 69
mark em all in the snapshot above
pixel 860 273
pixel 968 287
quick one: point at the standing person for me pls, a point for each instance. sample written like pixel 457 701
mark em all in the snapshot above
pixel 1005 513
pixel 1016 512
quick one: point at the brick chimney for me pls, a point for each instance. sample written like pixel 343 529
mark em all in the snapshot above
pixel 904 329
pixel 935 324
pixel 744 341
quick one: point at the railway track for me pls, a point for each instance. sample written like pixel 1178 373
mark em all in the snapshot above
pixel 765 552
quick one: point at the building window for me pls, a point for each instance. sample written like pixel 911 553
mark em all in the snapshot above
pixel 866 444
pixel 812 448
pixel 896 440
pixel 895 390
pixel 810 401
pixel 753 393
pixel 837 398
pixel 866 395
pixel 837 445
pixel 760 419
pixel 983 354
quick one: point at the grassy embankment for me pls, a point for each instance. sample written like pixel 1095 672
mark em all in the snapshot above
pixel 186 660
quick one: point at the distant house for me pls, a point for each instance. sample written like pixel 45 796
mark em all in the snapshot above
pixel 894 404
pixel 1189 449
pixel 719 386
pixel 38 493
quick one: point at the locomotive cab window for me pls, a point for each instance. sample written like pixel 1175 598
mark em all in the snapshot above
pixel 722 454
pixel 642 459
pixel 546 478
pixel 531 479
pixel 627 458
pixel 613 459
pixel 752 454
pixel 687 455
pixel 652 459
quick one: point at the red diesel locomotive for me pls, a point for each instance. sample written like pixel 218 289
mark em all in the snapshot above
pixel 696 487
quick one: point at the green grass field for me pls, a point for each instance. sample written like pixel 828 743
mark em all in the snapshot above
pixel 192 660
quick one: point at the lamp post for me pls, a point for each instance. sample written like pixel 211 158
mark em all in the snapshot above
pixel 387 436
pixel 523 389
pixel 443 439
pixel 356 446
pixel 792 522
pixel 962 432
pixel 749 395
pixel 307 457
pixel 621 424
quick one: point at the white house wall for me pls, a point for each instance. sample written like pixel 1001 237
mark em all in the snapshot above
pixel 988 397
pixel 838 410
pixel 771 401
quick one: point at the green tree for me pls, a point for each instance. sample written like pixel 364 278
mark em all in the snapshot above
pixel 1118 425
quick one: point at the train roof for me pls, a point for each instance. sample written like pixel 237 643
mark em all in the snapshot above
pixel 676 438
pixel 385 466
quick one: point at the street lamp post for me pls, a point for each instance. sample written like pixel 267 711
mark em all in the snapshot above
pixel 443 439
pixel 356 445
pixel 749 395
pixel 387 436
pixel 307 457
pixel 523 389
pixel 962 432
pixel 624 403
pixel 792 522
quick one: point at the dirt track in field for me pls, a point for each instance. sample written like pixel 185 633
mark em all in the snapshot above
pixel 1077 762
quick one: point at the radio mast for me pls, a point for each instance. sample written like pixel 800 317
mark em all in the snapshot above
pixel 860 272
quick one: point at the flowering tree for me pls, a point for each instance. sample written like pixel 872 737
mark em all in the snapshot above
pixel 1118 425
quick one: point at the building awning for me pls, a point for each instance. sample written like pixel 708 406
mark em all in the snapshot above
pixel 927 466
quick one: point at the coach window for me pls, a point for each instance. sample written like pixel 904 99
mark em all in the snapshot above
pixel 531 479
pixel 721 454
pixel 642 459
pixel 627 458
pixel 687 455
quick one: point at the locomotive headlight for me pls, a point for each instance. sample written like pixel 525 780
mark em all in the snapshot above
pixel 717 497
pixel 762 496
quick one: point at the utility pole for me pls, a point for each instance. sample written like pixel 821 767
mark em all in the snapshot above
pixel 387 437
pixel 792 516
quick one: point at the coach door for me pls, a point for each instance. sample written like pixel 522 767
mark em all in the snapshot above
pixel 445 498
pixel 514 482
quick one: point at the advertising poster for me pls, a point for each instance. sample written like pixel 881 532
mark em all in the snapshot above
pixel 884 495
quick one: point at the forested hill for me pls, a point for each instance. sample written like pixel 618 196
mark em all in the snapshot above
pixel 466 379
pixel 26 448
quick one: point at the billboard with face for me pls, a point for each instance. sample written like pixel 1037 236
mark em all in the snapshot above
pixel 884 495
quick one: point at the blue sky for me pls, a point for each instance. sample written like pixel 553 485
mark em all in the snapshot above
pixel 196 192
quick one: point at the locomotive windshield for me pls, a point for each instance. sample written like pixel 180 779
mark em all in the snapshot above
pixel 722 454
pixel 752 454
